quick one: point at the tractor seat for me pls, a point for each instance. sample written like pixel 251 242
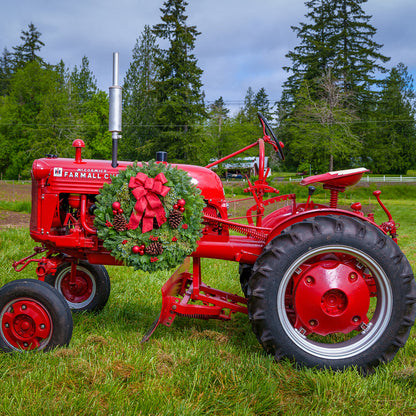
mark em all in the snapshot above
pixel 338 179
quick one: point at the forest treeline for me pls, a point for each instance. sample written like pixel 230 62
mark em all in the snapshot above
pixel 340 106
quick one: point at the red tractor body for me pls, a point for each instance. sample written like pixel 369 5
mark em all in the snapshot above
pixel 324 286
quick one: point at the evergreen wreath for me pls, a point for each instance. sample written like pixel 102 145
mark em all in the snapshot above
pixel 149 216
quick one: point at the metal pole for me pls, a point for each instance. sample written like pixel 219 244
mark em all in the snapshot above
pixel 115 101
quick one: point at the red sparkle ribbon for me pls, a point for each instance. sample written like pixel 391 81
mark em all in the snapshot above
pixel 148 205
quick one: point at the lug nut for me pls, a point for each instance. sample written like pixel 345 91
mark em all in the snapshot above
pixel 23 307
pixel 313 322
pixel 356 319
pixel 309 280
pixel 6 325
pixel 353 277
pixel 42 326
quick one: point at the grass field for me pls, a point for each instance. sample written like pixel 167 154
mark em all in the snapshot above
pixel 195 367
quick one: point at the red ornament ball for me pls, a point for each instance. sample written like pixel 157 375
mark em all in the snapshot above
pixel 120 210
pixel 115 212
pixel 176 206
pixel 182 209
pixel 116 205
pixel 135 249
pixel 181 202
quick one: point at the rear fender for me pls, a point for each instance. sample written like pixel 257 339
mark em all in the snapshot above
pixel 286 221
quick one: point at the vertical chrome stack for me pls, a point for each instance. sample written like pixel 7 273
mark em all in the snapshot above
pixel 114 124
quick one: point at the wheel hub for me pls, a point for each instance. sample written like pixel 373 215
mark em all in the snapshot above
pixel 25 324
pixel 331 296
pixel 77 290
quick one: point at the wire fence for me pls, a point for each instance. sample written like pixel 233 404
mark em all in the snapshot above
pixel 383 178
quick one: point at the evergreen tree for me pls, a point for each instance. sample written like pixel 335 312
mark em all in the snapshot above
pixel 391 146
pixel 337 37
pixel 262 104
pixel 248 114
pixel 28 50
pixel 181 109
pixel 33 120
pixel 218 116
pixel 83 84
pixel 320 127
pixel 6 70
pixel 140 133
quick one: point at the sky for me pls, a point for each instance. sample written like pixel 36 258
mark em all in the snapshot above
pixel 243 43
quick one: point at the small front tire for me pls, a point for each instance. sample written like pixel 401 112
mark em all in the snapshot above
pixel 33 316
pixel 90 290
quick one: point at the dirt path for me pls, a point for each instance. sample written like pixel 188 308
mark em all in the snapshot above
pixel 14 192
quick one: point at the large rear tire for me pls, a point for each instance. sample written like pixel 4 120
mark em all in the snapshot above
pixel 90 290
pixel 33 316
pixel 332 292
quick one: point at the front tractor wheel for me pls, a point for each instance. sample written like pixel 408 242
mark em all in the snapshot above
pixel 332 292
pixel 88 291
pixel 33 316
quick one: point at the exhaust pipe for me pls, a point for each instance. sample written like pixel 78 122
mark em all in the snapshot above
pixel 114 119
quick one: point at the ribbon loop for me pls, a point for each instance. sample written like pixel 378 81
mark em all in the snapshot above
pixel 148 206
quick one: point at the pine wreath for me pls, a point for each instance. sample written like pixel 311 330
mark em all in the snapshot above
pixel 133 216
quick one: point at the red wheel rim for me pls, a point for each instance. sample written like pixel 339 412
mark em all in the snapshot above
pixel 353 270
pixel 26 324
pixel 77 290
pixel 330 296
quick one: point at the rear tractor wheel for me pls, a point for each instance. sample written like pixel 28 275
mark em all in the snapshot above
pixel 332 292
pixel 90 289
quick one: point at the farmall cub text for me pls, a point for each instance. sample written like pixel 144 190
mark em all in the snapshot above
pixel 323 286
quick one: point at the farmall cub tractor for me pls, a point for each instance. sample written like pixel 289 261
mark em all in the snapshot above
pixel 323 286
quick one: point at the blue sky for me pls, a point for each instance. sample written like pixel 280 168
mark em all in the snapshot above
pixel 242 43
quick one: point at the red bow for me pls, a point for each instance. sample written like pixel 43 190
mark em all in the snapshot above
pixel 148 205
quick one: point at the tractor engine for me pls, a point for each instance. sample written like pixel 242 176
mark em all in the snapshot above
pixel 63 201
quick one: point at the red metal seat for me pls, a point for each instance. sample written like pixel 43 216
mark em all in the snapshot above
pixel 340 178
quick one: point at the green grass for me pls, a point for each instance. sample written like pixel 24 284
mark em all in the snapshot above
pixel 195 367
pixel 17 206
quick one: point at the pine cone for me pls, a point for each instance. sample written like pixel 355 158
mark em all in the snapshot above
pixel 119 223
pixel 175 218
pixel 154 249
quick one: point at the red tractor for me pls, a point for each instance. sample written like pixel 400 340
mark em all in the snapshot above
pixel 323 286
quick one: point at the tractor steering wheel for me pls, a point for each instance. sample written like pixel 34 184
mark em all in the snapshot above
pixel 267 129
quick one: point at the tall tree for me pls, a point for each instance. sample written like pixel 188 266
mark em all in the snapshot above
pixel 218 116
pixel 181 108
pixel 83 83
pixel 320 127
pixel 140 132
pixel 337 37
pixel 262 103
pixel 391 146
pixel 32 118
pixel 28 50
pixel 6 70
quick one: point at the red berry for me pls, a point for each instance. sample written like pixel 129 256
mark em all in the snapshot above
pixel 120 211
pixel 141 252
pixel 114 211
pixel 176 206
pixel 182 209
pixel 116 205
pixel 142 247
pixel 181 202
pixel 135 249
